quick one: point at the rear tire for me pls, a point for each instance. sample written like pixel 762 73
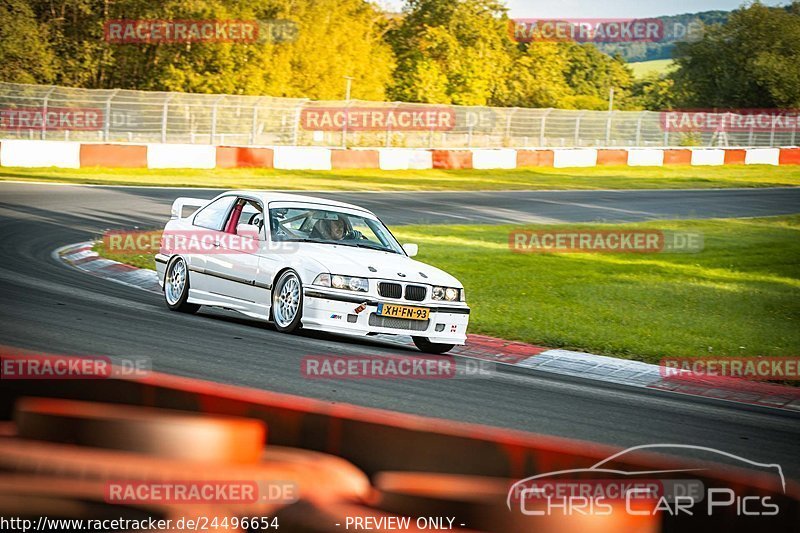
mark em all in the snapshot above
pixel 427 346
pixel 176 286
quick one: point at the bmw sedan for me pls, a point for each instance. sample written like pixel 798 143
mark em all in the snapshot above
pixel 305 262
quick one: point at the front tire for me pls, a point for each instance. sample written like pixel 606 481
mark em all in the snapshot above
pixel 427 346
pixel 176 286
pixel 287 302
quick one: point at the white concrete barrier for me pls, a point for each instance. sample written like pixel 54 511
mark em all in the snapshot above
pixel 404 159
pixel 181 156
pixel 581 157
pixel 499 158
pixel 707 156
pixel 20 153
pixel 646 157
pixel 302 158
pixel 420 160
pixel 393 158
pixel 762 156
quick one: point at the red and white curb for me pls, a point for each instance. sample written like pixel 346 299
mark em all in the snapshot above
pixel 82 257
pixel 512 353
pixel 76 154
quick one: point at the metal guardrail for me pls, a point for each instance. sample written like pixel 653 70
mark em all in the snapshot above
pixel 168 117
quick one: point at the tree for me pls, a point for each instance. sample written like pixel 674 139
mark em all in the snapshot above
pixel 538 77
pixel 451 51
pixel 334 38
pixel 656 92
pixel 25 54
pixel 753 61
pixel 591 74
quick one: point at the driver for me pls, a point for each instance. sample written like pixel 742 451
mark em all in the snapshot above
pixel 330 229
pixel 336 229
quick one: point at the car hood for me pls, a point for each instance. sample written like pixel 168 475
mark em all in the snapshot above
pixel 352 261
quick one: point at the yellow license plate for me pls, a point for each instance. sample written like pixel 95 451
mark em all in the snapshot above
pixel 403 311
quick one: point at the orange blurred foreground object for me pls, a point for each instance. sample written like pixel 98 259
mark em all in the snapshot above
pixel 160 432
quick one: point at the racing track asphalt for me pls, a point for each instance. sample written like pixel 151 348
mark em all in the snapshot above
pixel 47 306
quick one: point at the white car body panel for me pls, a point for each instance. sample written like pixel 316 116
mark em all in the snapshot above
pixel 242 281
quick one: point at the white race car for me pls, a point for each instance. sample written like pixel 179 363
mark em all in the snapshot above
pixel 300 261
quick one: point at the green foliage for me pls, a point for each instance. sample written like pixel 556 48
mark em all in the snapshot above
pixel 738 297
pixel 436 51
pixel 335 38
pixel 533 178
pixel 752 61
pixel 451 51
pixel 25 53
pixel 674 28
pixel 655 92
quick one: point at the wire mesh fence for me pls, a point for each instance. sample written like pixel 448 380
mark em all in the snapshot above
pixel 62 113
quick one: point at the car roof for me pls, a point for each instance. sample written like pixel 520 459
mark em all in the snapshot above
pixel 269 196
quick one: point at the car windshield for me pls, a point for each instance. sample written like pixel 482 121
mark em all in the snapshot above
pixel 328 226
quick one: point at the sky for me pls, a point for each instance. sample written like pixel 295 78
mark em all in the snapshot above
pixel 608 8
pixel 619 8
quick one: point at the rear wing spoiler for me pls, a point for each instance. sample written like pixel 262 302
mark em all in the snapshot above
pixel 180 203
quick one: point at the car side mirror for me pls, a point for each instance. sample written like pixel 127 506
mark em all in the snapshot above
pixel 249 230
pixel 411 249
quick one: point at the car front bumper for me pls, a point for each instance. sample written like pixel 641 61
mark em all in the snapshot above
pixel 335 312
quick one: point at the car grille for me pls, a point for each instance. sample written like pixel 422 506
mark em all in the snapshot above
pixel 398 323
pixel 415 292
pixel 390 290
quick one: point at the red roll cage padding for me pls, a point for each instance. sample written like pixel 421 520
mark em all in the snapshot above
pixel 233 220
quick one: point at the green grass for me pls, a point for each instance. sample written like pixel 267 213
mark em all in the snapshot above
pixel 428 180
pixel 642 69
pixel 740 296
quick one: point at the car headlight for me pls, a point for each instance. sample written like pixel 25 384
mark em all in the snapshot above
pixel 350 283
pixel 449 294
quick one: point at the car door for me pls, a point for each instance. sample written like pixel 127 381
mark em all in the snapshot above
pixel 207 224
pixel 236 266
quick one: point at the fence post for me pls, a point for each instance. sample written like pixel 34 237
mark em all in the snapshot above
pixel 107 125
pixel 214 119
pixel 469 131
pixel 542 126
pixel 608 127
pixel 388 142
pixel 297 121
pixel 772 135
pixel 508 123
pixel 344 123
pixel 254 129
pixel 638 141
pixel 389 126
pixel 164 113
pixel 576 142
pixel 44 113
